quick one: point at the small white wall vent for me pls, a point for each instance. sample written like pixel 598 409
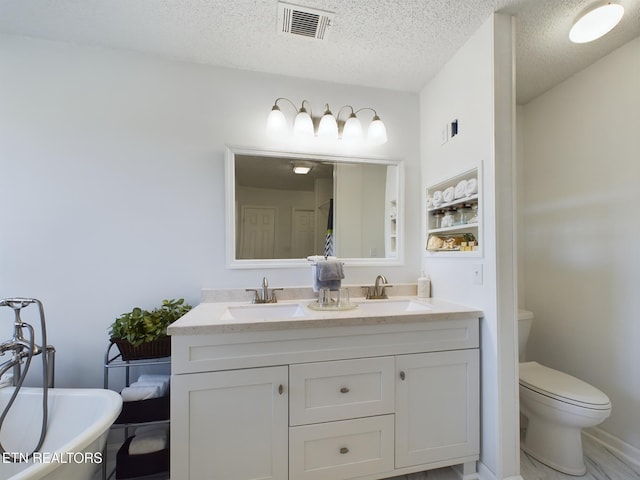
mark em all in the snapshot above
pixel 303 21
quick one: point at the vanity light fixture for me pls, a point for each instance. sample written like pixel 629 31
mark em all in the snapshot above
pixel 328 127
pixel 596 23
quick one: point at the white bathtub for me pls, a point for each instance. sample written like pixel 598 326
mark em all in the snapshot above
pixel 79 421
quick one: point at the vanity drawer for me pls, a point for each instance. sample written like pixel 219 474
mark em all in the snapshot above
pixel 341 450
pixel 338 390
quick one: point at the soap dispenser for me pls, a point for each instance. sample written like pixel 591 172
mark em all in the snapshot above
pixel 424 286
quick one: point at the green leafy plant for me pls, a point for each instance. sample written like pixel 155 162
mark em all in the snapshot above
pixel 139 326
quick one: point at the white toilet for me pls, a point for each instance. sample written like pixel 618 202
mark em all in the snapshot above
pixel 557 407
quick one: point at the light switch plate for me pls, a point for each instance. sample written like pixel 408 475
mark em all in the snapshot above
pixel 477 274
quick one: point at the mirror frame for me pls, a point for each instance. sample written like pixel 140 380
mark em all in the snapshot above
pixel 230 209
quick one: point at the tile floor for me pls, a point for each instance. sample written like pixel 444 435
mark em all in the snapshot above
pixel 601 465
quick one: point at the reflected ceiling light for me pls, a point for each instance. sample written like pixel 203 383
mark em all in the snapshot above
pixel 328 126
pixel 302 168
pixel 596 23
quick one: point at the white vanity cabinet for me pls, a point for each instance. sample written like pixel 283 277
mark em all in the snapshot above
pixel 364 402
pixel 231 424
pixel 437 406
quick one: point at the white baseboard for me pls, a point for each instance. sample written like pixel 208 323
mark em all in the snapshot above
pixel 628 453
pixel 486 474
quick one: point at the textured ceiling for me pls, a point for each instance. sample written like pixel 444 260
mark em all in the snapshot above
pixel 393 44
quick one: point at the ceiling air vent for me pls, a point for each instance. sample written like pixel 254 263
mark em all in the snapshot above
pixel 303 21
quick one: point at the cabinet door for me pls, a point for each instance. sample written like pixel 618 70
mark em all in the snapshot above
pixel 230 425
pixel 437 407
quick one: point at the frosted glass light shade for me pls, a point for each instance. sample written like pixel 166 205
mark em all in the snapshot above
pixel 328 127
pixel 352 129
pixel 303 125
pixel 377 132
pixel 596 23
pixel 276 123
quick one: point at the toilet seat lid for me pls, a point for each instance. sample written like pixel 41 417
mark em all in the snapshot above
pixel 561 386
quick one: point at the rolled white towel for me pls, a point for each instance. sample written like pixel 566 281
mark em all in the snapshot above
pixel 150 379
pixel 162 388
pixel 148 441
pixel 134 393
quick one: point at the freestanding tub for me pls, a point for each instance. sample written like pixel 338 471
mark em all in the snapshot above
pixel 79 421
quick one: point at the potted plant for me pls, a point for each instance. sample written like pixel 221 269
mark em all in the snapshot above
pixel 142 333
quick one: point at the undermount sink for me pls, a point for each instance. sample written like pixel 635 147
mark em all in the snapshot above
pixel 392 306
pixel 266 311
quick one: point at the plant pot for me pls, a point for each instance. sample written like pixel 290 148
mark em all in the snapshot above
pixel 155 349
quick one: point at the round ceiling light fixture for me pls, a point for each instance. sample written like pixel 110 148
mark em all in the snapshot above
pixel 596 23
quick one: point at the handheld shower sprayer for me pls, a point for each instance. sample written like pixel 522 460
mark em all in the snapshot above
pixel 23 350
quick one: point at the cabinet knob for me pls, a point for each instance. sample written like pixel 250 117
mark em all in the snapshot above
pixel 402 375
pixel 344 450
pixel 344 390
pixel 280 389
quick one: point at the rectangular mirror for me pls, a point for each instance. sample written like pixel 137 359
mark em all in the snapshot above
pixel 277 218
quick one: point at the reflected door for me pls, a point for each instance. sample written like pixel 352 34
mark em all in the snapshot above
pixel 303 233
pixel 257 234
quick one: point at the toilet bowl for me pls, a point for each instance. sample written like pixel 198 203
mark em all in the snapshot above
pixel 557 407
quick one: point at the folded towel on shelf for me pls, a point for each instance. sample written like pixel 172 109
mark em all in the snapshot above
pixel 148 380
pixel 151 377
pixel 149 439
pixel 134 393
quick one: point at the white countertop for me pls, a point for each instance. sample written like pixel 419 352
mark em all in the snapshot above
pixel 209 317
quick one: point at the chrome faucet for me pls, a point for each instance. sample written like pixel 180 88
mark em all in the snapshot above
pixel 18 345
pixel 23 350
pixel 265 294
pixel 377 292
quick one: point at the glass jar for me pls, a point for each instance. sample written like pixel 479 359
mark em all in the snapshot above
pixel 448 220
pixel 463 215
pixel 473 215
pixel 437 220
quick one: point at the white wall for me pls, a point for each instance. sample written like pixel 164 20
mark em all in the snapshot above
pixel 580 231
pixel 113 182
pixel 475 87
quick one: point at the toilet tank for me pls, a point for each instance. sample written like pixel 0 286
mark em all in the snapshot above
pixel 525 319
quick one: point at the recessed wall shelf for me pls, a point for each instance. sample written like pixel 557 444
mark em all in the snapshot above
pixel 453 216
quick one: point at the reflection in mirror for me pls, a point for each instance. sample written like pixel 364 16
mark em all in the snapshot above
pixel 281 213
pixel 277 217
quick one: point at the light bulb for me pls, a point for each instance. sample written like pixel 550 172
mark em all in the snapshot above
pixel 377 132
pixel 328 127
pixel 352 129
pixel 303 125
pixel 276 122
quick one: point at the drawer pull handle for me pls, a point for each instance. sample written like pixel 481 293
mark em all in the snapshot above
pixel 344 390
pixel 402 376
pixel 344 450
pixel 280 389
